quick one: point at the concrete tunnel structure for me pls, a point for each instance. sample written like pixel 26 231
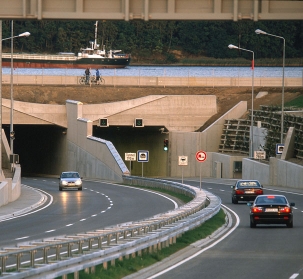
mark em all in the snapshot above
pixel 44 132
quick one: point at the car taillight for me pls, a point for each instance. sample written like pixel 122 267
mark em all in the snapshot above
pixel 285 209
pixel 239 192
pixel 256 209
pixel 259 192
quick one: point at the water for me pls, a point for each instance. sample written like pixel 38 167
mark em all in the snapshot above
pixel 169 71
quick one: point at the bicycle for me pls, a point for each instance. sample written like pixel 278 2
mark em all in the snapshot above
pixel 93 80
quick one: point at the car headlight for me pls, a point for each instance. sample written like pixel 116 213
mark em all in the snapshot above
pixel 63 182
pixel 78 182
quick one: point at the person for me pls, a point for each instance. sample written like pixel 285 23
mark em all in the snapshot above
pixel 87 75
pixel 98 76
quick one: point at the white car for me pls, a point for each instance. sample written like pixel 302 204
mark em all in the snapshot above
pixel 70 179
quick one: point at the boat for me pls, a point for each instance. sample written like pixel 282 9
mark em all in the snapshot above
pixel 89 57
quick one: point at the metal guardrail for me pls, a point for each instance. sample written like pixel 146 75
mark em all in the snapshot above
pixel 108 244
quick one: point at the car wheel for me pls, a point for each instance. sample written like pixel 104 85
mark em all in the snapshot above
pixel 252 224
pixel 290 225
pixel 80 189
pixel 60 188
pixel 234 200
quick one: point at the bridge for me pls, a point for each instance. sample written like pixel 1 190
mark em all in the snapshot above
pixel 152 10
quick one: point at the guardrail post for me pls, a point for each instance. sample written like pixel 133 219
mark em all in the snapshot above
pixel 69 249
pixel 18 264
pixel 109 236
pixel 45 260
pixel 3 264
pixel 32 256
pixel 100 242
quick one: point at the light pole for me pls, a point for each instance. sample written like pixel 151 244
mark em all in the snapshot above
pixel 258 31
pixel 12 133
pixel 251 135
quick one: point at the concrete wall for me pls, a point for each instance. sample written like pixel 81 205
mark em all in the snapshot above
pixel 278 172
pixel 91 157
pixel 10 189
pixel 158 81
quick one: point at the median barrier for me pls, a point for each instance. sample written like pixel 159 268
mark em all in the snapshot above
pixel 111 243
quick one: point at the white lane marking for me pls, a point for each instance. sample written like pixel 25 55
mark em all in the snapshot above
pixel 82 220
pixel 295 275
pixel 282 191
pixel 103 211
pixel 222 190
pixel 94 215
pixel 203 250
pixel 156 193
pixel 50 231
pixel 68 225
pixel 25 214
pixel 24 237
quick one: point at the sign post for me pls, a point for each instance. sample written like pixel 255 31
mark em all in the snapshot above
pixel 130 157
pixel 201 157
pixel 143 157
pixel 183 161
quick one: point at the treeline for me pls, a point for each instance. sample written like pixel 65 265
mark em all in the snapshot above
pixel 160 40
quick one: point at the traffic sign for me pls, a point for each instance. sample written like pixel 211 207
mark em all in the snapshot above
pixel 201 156
pixel 183 160
pixel 142 156
pixel 130 156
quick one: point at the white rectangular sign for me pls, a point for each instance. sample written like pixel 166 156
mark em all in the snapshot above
pixel 260 155
pixel 130 156
pixel 183 160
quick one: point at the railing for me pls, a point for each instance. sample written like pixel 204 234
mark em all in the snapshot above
pixel 112 243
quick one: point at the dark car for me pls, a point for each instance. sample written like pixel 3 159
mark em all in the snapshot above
pixel 70 179
pixel 246 190
pixel 271 209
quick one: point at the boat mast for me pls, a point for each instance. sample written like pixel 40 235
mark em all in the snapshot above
pixel 96 30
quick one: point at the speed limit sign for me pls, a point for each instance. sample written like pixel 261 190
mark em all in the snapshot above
pixel 201 156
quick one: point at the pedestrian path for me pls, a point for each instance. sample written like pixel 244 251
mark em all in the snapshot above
pixel 29 199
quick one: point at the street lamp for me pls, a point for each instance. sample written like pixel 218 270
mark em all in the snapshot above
pixel 251 135
pixel 258 31
pixel 25 34
pixel 12 133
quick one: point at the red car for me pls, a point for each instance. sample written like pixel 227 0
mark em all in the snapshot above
pixel 271 209
pixel 246 190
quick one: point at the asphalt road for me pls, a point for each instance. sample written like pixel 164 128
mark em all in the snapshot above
pixel 272 251
pixel 99 205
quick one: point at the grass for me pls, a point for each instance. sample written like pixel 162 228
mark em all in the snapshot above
pixel 132 265
pixel 298 102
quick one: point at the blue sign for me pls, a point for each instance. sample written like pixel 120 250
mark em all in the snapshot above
pixel 279 148
pixel 143 156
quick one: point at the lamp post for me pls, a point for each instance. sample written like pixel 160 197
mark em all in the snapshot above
pixel 258 31
pixel 25 34
pixel 12 133
pixel 251 135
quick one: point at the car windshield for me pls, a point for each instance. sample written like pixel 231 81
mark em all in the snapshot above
pixel 252 184
pixel 70 175
pixel 271 200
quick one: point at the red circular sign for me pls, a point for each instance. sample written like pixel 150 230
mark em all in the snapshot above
pixel 201 156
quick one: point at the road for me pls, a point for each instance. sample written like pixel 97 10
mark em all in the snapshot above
pixel 265 252
pixel 99 205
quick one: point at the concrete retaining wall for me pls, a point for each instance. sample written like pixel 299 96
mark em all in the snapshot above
pixel 10 189
pixel 158 81
pixel 277 172
pixel 91 157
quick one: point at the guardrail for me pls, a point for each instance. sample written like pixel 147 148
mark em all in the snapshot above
pixel 112 243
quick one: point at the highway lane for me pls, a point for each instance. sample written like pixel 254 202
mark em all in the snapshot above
pixel 100 204
pixel 272 251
